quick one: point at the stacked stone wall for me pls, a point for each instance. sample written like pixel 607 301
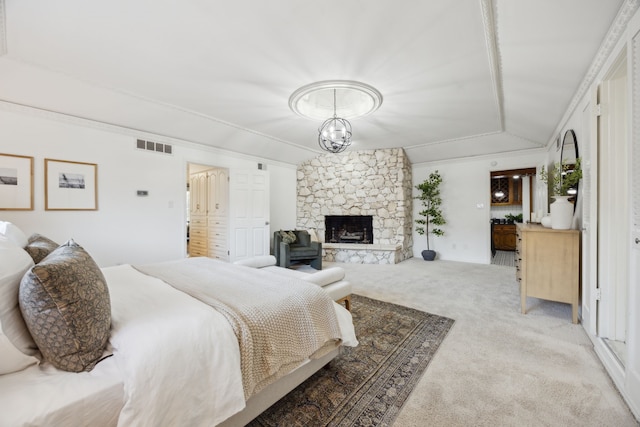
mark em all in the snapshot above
pixel 372 182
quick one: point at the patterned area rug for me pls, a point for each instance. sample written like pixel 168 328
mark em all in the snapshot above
pixel 366 385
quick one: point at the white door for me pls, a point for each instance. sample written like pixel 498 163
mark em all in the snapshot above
pixel 613 205
pixel 198 196
pixel 249 213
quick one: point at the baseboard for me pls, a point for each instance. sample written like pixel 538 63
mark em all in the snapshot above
pixel 618 375
pixel 633 393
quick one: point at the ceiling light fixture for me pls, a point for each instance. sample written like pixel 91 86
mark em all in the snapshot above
pixel 341 100
pixel 335 133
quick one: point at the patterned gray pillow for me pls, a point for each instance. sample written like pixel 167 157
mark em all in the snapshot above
pixel 65 303
pixel 39 247
pixel 288 236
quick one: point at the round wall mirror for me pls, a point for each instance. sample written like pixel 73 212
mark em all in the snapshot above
pixel 568 156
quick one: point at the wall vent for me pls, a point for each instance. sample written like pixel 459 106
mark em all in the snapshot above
pixel 158 147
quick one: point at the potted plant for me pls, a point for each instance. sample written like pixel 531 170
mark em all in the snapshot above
pixel 511 219
pixel 562 181
pixel 431 215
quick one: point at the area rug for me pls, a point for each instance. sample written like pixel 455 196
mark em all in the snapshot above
pixel 366 385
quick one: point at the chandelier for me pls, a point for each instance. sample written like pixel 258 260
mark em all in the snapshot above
pixel 334 135
pixel 318 100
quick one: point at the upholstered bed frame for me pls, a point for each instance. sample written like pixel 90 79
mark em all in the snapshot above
pixel 274 392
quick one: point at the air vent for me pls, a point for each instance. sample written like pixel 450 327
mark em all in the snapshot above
pixel 158 147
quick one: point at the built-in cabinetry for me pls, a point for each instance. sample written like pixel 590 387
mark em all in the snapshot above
pixel 208 214
pixel 506 191
pixel 548 265
pixel 504 237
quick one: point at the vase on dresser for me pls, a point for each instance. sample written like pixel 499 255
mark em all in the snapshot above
pixel 561 213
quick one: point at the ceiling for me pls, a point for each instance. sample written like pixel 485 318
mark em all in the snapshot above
pixel 458 78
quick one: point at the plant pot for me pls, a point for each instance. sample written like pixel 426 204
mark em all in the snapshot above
pixel 428 255
pixel 561 213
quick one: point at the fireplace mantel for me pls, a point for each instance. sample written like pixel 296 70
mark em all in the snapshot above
pixel 362 253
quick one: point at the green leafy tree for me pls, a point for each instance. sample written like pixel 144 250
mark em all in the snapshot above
pixel 431 215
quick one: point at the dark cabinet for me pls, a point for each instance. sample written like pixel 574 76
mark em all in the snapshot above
pixel 506 190
pixel 504 237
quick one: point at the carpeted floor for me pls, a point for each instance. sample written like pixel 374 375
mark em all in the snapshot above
pixel 497 367
pixel 366 385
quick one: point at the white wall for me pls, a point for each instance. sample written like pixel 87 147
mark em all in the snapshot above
pixel 283 198
pixel 125 228
pixel 466 205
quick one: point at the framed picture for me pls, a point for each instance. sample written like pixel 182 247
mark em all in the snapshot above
pixel 16 182
pixel 70 186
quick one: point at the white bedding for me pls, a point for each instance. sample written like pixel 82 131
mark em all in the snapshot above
pixel 180 358
pixel 45 396
pixel 176 362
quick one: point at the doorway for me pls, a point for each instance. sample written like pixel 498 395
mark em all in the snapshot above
pixel 207 211
pixel 511 202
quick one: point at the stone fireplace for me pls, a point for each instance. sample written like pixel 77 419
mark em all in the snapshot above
pixel 372 183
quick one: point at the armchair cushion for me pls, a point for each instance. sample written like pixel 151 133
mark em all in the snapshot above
pixel 302 251
pixel 302 238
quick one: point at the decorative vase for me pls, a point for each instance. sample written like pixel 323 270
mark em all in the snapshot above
pixel 561 213
pixel 546 221
pixel 428 255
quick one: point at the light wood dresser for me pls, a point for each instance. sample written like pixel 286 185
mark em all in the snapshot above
pixel 548 265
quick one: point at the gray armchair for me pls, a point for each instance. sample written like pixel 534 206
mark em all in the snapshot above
pixel 302 249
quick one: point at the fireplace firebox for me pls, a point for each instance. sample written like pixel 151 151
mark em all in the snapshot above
pixel 348 229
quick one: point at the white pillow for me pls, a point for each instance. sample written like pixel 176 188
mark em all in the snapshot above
pixel 257 261
pixel 313 235
pixel 13 233
pixel 14 263
pixel 11 359
pixel 326 276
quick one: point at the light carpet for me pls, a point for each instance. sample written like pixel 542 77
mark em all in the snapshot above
pixel 497 367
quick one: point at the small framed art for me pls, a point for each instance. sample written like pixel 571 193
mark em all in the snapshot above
pixel 70 186
pixel 16 182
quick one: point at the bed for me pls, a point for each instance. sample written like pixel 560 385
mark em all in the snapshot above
pixel 171 356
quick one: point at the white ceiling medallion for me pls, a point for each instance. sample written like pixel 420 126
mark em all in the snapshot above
pixel 339 100
pixel 352 100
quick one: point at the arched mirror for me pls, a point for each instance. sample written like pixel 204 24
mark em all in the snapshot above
pixel 568 156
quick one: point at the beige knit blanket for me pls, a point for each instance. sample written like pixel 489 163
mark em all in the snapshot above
pixel 280 322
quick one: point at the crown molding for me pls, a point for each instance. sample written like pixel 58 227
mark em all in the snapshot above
pixel 615 33
pixel 122 130
pixel 3 29
pixel 493 53
pixel 483 157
